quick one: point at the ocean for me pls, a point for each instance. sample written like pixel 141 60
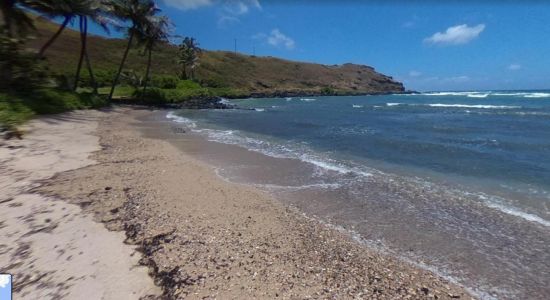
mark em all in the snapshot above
pixel 455 182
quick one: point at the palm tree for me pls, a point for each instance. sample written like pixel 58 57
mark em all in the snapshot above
pixel 69 10
pixel 138 13
pixel 16 25
pixel 155 32
pixel 16 20
pixel 188 57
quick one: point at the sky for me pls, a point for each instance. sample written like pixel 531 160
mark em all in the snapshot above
pixel 427 45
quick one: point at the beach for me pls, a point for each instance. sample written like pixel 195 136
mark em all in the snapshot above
pixel 199 236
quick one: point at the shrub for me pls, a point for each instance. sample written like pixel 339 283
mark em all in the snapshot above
pixel 152 96
pixel 165 81
pixel 188 84
pixel 327 91
pixel 215 82
pixel 17 108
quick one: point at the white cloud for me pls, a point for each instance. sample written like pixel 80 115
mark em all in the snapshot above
pixel 188 4
pixel 240 7
pixel 456 79
pixel 231 10
pixel 277 39
pixel 514 67
pixel 234 7
pixel 4 280
pixel 414 73
pixel 456 35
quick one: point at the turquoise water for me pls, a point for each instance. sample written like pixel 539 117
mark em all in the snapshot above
pixel 471 165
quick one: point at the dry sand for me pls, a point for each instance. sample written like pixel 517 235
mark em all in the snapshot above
pixel 201 237
pixel 51 247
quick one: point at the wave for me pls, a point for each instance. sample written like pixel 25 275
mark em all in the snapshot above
pixel 224 101
pixel 233 137
pixel 259 109
pixel 178 119
pixel 510 210
pixel 456 105
pixel 450 93
pixel 473 106
pixel 477 95
pixel 307 99
pixel 357 106
pixel 490 94
pixel 537 95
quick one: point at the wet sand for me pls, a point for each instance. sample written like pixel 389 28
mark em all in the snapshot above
pixel 203 238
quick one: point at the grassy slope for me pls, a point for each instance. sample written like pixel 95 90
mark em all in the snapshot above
pixel 220 68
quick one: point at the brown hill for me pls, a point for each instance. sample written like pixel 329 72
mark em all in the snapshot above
pixel 263 75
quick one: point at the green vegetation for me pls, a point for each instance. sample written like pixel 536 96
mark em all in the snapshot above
pixel 18 108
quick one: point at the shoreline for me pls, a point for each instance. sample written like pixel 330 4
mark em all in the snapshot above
pixel 203 237
pixel 386 206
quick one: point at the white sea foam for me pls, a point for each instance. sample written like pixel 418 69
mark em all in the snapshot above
pixel 288 99
pixel 477 95
pixel 178 119
pixel 537 95
pixel 357 106
pixel 489 94
pixel 456 105
pixel 473 106
pixel 259 109
pixel 300 187
pixel 308 99
pixel 450 93
pixel 516 212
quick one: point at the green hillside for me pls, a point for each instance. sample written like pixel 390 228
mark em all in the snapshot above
pixel 252 75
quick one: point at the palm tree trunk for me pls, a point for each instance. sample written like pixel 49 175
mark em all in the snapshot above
pixel 6 73
pixel 54 37
pixel 147 73
pixel 82 51
pixel 115 82
pixel 93 83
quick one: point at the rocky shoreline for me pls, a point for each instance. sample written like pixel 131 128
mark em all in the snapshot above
pixel 220 103
pixel 203 238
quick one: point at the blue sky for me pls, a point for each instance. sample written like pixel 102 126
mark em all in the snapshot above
pixel 428 45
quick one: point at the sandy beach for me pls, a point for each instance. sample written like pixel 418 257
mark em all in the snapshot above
pixel 90 206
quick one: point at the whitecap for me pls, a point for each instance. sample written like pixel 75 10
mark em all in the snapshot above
pixel 473 106
pixel 477 95
pixel 178 119
pixel 537 95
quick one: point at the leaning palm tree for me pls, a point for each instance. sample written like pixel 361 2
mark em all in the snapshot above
pixel 156 31
pixel 138 13
pixel 98 12
pixel 69 10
